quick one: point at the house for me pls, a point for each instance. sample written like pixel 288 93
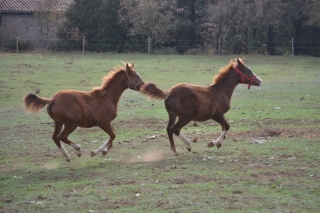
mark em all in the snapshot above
pixel 33 21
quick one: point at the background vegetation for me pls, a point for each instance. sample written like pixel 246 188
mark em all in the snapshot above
pixel 195 26
pixel 268 163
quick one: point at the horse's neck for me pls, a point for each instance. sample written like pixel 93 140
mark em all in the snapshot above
pixel 228 85
pixel 114 91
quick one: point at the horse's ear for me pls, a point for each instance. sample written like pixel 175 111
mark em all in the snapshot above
pixel 240 63
pixel 243 59
pixel 132 65
pixel 127 67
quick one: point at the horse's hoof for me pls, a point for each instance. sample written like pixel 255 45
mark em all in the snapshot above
pixel 92 154
pixel 176 153
pixel 79 155
pixel 211 144
pixel 189 149
pixel 68 160
pixel 104 153
pixel 219 145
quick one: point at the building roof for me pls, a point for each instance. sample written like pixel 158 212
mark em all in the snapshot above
pixel 30 6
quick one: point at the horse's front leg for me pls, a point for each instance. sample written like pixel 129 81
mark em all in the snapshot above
pixel 106 149
pixel 100 149
pixel 218 142
pixel 225 127
pixel 185 140
pixel 108 144
pixel 76 147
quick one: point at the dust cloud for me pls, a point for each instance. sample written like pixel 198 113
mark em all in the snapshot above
pixel 149 156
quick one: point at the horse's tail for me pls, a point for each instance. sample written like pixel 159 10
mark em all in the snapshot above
pixel 34 104
pixel 153 92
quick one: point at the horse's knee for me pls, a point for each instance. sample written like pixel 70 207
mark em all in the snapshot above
pixel 175 131
pixel 61 138
pixel 56 141
pixel 112 136
pixel 54 138
pixel 227 127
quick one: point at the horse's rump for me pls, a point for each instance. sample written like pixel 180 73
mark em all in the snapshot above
pixel 34 104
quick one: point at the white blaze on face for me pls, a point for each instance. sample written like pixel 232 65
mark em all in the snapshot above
pixel 260 84
pixel 259 79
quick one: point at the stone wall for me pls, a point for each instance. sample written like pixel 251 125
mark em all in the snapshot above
pixel 38 29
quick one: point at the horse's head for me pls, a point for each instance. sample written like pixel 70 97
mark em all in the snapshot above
pixel 246 74
pixel 134 79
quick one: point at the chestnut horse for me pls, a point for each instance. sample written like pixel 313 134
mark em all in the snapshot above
pixel 74 108
pixel 196 103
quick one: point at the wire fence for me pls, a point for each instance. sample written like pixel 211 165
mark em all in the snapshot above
pixel 192 47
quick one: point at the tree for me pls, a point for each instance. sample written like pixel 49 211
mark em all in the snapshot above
pixel 192 23
pixel 245 25
pixel 314 13
pixel 304 16
pixel 150 18
pixel 98 20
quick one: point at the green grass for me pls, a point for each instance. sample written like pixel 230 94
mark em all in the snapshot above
pixel 140 174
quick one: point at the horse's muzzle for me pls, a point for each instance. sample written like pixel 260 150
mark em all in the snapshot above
pixel 139 85
pixel 257 82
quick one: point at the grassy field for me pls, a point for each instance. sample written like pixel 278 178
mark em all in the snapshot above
pixel 140 173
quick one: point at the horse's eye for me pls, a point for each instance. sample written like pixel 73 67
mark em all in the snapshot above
pixel 137 76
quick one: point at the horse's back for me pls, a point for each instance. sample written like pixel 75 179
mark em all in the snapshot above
pixel 69 105
pixel 191 92
pixel 69 98
pixel 86 109
pixel 194 101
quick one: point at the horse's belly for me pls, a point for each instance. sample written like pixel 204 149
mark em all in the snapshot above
pixel 87 123
pixel 202 117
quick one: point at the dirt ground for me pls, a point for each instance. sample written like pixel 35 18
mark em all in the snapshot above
pixel 160 126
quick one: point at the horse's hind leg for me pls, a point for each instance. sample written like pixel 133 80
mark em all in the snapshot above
pixel 57 130
pixel 104 148
pixel 176 130
pixel 225 127
pixel 63 136
pixel 172 120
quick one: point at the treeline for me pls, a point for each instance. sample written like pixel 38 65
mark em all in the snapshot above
pixel 242 26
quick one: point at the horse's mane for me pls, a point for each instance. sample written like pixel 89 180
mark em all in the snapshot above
pixel 223 73
pixel 106 80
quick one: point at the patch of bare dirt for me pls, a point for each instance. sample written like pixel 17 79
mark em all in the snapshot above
pixel 282 133
pixel 158 124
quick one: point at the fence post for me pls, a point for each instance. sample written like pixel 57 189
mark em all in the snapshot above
pixel 83 43
pixel 219 46
pixel 292 46
pixel 17 45
pixel 149 41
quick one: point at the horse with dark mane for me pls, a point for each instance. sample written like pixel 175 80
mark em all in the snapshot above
pixel 196 103
pixel 74 108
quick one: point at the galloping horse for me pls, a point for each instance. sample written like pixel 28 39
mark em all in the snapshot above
pixel 74 108
pixel 192 102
